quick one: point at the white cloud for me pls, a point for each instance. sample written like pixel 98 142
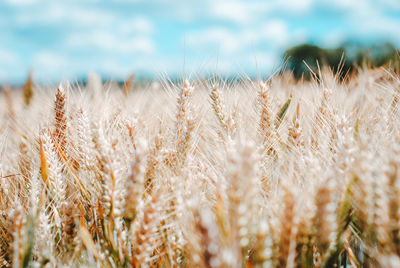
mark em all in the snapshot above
pixel 360 10
pixel 137 25
pixel 247 12
pixel 108 41
pixel 333 39
pixel 240 32
pixel 10 65
pixel 273 34
pixel 381 27
pixel 21 2
pixel 217 38
pixel 237 11
pixel 68 13
pixel 8 57
pixel 49 61
pixel 49 65
pixel 369 19
pixel 294 6
pixel 243 49
pixel 363 7
pixel 365 19
pixel 257 62
pixel 276 32
pixel 265 60
pixel 299 35
pixel 392 4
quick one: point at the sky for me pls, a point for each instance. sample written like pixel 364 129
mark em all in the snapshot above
pixel 68 39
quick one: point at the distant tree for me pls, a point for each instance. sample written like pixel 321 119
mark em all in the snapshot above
pixel 378 55
pixel 303 59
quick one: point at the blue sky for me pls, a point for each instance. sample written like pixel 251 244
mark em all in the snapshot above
pixel 68 39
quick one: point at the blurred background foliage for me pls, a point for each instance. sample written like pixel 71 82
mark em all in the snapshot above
pixel 305 59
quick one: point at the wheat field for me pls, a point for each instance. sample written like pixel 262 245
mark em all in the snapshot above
pixel 202 173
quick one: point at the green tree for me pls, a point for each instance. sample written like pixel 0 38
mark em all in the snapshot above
pixel 303 59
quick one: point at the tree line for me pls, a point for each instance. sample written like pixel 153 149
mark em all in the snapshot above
pixel 305 59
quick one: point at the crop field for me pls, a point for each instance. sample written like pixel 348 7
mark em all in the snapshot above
pixel 202 173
